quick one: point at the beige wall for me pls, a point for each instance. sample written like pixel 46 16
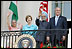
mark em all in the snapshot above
pixel 24 8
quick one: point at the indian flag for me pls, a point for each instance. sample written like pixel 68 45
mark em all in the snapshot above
pixel 13 8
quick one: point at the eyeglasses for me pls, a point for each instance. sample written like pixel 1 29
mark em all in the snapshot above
pixel 58 10
pixel 43 16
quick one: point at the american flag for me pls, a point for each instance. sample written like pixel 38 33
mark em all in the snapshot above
pixel 44 6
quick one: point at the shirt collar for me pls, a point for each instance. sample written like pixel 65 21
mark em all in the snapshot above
pixel 57 16
pixel 43 20
pixel 28 25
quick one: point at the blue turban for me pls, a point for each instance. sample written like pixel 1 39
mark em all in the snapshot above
pixel 43 12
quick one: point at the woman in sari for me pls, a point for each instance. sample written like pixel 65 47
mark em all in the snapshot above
pixel 12 27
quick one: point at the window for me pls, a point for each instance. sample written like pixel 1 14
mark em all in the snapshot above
pixel 65 8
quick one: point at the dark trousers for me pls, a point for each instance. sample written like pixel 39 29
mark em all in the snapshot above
pixel 38 44
pixel 55 41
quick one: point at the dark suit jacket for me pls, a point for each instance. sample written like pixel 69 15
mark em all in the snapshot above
pixel 41 35
pixel 61 24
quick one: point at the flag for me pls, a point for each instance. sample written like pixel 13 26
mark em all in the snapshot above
pixel 13 8
pixel 44 7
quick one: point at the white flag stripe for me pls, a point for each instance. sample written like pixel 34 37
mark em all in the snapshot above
pixel 45 8
pixel 41 9
pixel 41 1
pixel 41 5
pixel 14 2
pixel 44 2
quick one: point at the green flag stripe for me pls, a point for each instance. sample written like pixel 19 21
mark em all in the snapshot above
pixel 13 7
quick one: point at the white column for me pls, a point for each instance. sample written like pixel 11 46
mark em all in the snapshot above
pixel 49 8
pixel 1 41
pixel 69 38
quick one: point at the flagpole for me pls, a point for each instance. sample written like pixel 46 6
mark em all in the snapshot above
pixel 48 11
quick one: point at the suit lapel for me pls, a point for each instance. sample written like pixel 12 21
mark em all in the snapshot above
pixel 54 20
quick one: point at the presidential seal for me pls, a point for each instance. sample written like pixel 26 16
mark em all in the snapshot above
pixel 25 41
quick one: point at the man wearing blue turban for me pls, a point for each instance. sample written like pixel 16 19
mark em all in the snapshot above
pixel 42 24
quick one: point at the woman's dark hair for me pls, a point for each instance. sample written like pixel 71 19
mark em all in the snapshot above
pixel 28 17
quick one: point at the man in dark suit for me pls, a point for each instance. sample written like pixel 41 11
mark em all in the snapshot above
pixel 58 22
pixel 42 24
